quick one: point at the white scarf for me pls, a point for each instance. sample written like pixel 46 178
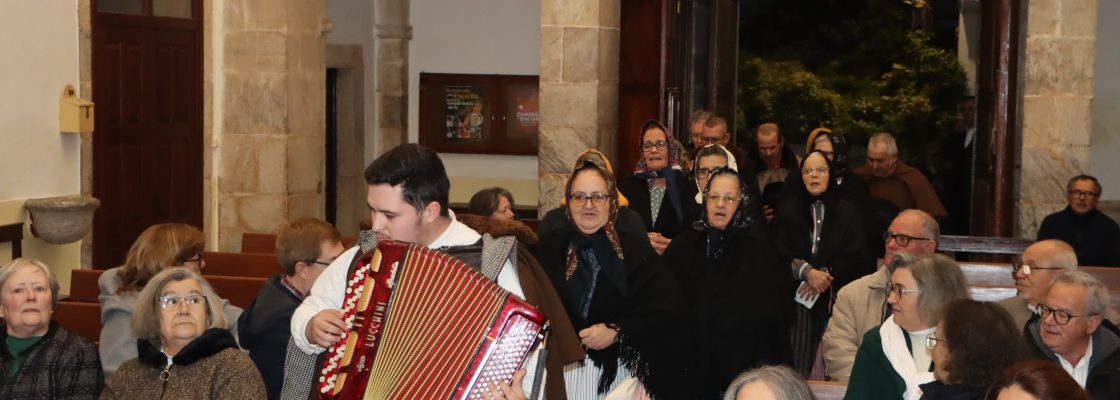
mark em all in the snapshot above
pixel 894 347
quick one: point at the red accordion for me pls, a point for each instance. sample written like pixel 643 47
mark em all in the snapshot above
pixel 424 325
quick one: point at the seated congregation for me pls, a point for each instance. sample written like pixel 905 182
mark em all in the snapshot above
pixel 712 272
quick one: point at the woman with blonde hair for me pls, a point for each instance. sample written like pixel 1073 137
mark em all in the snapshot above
pixel 159 247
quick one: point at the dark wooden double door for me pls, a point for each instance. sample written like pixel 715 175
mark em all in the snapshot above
pixel 147 147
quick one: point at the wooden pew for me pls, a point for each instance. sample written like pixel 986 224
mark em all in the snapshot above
pixel 240 264
pixel 982 244
pixel 239 290
pixel 827 390
pixel 265 243
pixel 81 318
pixel 994 282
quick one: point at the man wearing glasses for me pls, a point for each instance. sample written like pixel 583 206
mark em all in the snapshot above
pixel 1094 236
pixel 304 248
pixel 1071 332
pixel 715 132
pixel 862 304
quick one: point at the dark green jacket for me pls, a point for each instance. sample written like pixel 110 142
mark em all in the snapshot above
pixel 873 377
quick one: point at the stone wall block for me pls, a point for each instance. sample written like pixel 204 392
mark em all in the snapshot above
pixel 569 105
pixel 1047 169
pixel 552 53
pixel 265 15
pixel 581 55
pixel 260 101
pixel 608 55
pixel 1073 120
pixel 1059 66
pixel 307 104
pixel 1079 17
pixel 608 144
pixel 559 147
pixel 239 165
pixel 1037 121
pixel 391 79
pixel 305 164
pixel 391 111
pixel 305 16
pixel 1042 17
pixel 307 53
pixel 570 12
pixel 610 13
pixel 552 190
pixel 305 205
pixel 262 213
pixel 390 50
pixel 256 51
pixel 606 97
pixel 390 11
pixel 272 170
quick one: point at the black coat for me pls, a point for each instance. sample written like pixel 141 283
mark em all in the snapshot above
pixel 647 311
pixel 842 247
pixel 735 304
pixel 939 391
pixel 1094 236
pixel 264 330
pixel 669 222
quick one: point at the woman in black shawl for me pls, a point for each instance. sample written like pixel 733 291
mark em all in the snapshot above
pixel 621 299
pixel 820 240
pixel 659 191
pixel 735 291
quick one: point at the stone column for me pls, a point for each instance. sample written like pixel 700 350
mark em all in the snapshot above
pixel 272 98
pixel 578 88
pixel 392 35
pixel 1057 105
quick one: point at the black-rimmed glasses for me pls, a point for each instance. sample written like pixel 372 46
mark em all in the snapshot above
pixel 660 145
pixel 1082 193
pixel 579 199
pixel 1062 317
pixel 900 239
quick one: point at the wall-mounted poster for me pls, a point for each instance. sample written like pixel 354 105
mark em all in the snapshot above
pixel 464 113
pixel 482 114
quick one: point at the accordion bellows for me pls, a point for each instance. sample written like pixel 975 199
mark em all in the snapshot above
pixel 424 325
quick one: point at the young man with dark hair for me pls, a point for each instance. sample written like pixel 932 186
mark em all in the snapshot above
pixel 407 198
pixel 304 248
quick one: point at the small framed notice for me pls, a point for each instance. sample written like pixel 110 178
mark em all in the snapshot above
pixel 481 114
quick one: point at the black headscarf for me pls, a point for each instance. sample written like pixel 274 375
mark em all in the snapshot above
pixel 742 220
pixel 839 162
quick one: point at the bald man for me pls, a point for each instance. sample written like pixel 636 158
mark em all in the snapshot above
pixel 892 180
pixel 1038 265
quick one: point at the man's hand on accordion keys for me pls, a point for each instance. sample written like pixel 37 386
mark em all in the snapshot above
pixel 511 391
pixel 325 328
pixel 598 336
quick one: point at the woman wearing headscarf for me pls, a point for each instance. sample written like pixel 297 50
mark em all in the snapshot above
pixel 620 298
pixel 659 191
pixel 848 186
pixel 732 285
pixel 820 240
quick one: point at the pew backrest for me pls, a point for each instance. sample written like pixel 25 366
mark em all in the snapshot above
pixel 239 290
pixel 828 390
pixel 265 243
pixel 982 244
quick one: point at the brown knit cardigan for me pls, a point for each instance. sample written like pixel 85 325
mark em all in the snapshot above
pixel 210 367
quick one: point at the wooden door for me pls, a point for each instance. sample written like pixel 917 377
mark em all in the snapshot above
pixel 997 109
pixel 147 148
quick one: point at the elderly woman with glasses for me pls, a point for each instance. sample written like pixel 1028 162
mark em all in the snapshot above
pixel 186 350
pixel 894 358
pixel 659 191
pixel 971 345
pixel 42 360
pixel 618 294
pixel 159 247
pixel 820 243
pixel 732 285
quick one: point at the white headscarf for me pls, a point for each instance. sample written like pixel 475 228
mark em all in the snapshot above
pixel 730 164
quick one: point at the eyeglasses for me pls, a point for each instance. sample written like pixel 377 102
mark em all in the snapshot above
pixel 1019 265
pixel 706 172
pixel 167 302
pixel 933 341
pixel 1062 317
pixel 815 171
pixel 717 199
pixel 579 199
pixel 900 239
pixel 900 290
pixel 197 258
pixel 711 140
pixel 660 145
pixel 323 263
pixel 1082 193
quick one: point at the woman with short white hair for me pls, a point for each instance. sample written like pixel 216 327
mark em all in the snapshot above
pixel 42 360
pixel 185 348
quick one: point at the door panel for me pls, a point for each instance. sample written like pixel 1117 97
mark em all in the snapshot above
pixel 147 150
